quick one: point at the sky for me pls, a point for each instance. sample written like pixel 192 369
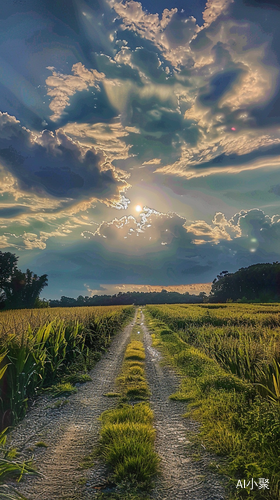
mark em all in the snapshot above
pixel 139 142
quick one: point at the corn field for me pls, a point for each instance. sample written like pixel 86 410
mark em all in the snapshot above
pixel 36 346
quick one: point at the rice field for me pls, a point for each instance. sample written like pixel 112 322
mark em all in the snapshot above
pixel 244 339
pixel 229 355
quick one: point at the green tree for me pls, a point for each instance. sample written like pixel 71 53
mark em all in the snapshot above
pixel 259 282
pixel 18 290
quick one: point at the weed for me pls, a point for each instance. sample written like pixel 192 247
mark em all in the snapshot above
pixel 88 461
pixel 77 378
pixel 10 467
pixel 112 394
pixel 132 382
pixel 128 446
pixel 41 444
pixel 59 403
pixel 62 388
pixel 7 492
pixel 127 435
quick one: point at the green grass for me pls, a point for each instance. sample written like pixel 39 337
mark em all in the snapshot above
pixel 60 403
pixel 112 394
pixel 127 435
pixel 10 466
pixel 77 378
pixel 132 381
pixel 237 422
pixel 61 389
pixel 41 444
pixel 139 413
pixel 87 462
pixel 7 492
pixel 127 443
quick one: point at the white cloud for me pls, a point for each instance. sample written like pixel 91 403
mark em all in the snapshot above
pixel 213 9
pixel 106 138
pixel 61 87
pixel 229 143
pixel 163 33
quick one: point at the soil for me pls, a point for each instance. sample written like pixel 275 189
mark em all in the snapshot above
pixel 71 432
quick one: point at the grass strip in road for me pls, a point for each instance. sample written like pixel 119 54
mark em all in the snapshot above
pixel 132 382
pixel 237 424
pixel 127 443
pixel 127 435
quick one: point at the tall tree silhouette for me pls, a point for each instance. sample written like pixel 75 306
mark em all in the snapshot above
pixel 18 290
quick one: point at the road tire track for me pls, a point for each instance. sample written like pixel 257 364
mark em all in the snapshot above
pixel 181 478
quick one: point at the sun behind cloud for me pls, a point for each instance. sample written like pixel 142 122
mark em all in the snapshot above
pixel 138 208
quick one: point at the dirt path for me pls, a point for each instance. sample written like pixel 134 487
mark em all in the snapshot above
pixel 70 433
pixel 181 477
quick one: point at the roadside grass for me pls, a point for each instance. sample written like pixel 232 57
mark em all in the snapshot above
pixel 11 468
pixel 127 435
pixel 112 394
pixel 59 403
pixel 237 423
pixel 88 461
pixel 77 378
pixel 41 444
pixel 61 389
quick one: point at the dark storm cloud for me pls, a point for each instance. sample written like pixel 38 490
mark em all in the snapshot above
pixel 13 211
pixel 261 156
pixel 149 63
pixel 85 109
pixel 55 165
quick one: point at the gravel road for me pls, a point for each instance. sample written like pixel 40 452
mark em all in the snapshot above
pixel 70 433
pixel 181 477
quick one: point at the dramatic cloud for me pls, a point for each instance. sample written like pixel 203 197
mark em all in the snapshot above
pixel 153 229
pixel 188 252
pixel 61 87
pixel 105 106
pixel 53 165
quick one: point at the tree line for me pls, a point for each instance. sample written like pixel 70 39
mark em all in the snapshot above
pixel 256 283
pixel 128 298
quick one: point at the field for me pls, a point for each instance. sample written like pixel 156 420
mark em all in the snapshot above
pixel 230 358
pixel 208 380
pixel 38 346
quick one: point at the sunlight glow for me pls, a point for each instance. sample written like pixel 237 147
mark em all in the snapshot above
pixel 138 208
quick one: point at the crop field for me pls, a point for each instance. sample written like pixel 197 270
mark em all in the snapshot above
pixel 229 355
pixel 38 346
pixel 224 406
